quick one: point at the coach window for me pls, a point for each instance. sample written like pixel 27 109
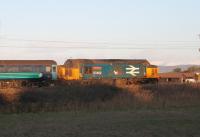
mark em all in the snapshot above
pixel 26 68
pixel 48 69
pixel 2 68
pixel 88 70
pixel 37 68
pixel 41 68
pixel 13 68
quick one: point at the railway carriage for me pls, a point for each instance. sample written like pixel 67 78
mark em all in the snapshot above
pixel 17 73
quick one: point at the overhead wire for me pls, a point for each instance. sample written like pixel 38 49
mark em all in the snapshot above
pixel 101 45
pixel 101 42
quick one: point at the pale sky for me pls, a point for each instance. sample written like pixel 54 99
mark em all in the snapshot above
pixel 163 31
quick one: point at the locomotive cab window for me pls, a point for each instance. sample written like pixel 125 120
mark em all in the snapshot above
pixel 88 70
pixel 156 71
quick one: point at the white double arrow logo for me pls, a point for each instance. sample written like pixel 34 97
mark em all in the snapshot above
pixel 132 70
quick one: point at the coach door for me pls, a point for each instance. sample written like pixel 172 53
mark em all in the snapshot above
pixel 54 72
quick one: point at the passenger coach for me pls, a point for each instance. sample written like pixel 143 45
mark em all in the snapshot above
pixel 27 72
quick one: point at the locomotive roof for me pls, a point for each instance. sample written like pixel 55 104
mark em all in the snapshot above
pixel 108 61
pixel 27 62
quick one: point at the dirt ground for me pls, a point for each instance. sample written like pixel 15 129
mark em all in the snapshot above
pixel 181 122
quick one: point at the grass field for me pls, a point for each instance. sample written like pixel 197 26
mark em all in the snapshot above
pixel 166 110
pixel 134 123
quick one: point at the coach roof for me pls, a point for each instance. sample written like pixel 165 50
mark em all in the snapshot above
pixel 27 62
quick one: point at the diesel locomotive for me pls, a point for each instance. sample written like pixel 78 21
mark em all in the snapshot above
pixel 91 69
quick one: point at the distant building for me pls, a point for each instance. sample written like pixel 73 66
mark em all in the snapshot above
pixel 182 77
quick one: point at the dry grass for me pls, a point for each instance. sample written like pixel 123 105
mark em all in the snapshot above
pixel 99 97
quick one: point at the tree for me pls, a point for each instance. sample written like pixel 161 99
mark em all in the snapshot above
pixel 193 69
pixel 177 70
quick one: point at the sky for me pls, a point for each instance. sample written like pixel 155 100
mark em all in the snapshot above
pixel 165 32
